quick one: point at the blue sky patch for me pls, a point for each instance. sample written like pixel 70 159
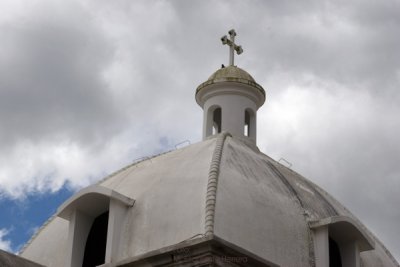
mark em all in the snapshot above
pixel 23 217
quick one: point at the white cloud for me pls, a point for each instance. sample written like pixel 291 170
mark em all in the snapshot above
pixel 332 134
pixel 5 244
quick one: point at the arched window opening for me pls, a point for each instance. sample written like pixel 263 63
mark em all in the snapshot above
pixel 338 241
pixel 246 123
pixel 216 121
pixel 335 259
pixel 95 248
pixel 90 212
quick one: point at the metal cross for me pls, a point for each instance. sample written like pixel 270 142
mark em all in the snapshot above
pixel 232 45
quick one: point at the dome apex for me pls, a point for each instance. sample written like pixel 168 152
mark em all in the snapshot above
pixel 231 74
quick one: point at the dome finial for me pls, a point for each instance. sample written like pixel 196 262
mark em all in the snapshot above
pixel 232 45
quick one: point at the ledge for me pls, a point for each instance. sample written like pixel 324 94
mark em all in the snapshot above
pixel 92 200
pixel 200 251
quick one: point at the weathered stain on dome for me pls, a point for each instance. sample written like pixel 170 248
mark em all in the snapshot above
pixel 231 74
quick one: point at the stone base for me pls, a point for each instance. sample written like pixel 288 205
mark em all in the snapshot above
pixel 205 251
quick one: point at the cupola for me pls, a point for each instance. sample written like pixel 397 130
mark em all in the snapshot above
pixel 230 98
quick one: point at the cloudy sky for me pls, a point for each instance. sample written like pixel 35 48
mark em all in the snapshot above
pixel 88 86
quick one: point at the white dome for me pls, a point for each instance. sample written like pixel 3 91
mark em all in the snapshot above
pixel 222 189
pixel 231 74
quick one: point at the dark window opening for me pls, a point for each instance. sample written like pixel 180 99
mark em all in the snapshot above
pixel 246 123
pixel 216 121
pixel 95 249
pixel 335 259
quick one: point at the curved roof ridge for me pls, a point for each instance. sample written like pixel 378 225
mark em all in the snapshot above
pixel 213 182
pixel 312 186
pixel 287 184
pixel 292 189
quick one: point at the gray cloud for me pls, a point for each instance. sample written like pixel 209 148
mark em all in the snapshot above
pixel 51 80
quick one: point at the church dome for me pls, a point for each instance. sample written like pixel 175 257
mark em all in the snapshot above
pixel 231 74
pixel 221 194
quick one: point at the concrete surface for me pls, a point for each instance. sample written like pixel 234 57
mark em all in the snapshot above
pixel 11 260
pixel 261 207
